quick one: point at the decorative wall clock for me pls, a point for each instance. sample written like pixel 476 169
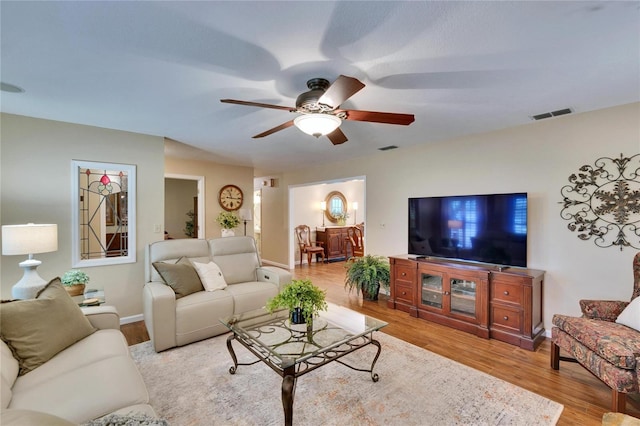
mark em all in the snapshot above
pixel 230 197
pixel 603 202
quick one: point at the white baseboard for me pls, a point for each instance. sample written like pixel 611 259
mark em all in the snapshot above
pixel 132 318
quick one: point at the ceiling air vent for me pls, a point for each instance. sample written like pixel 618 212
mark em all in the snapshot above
pixel 387 148
pixel 552 114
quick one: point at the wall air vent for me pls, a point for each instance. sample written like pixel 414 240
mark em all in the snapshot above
pixel 552 114
pixel 387 148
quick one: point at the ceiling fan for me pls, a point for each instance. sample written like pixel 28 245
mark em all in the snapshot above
pixel 319 109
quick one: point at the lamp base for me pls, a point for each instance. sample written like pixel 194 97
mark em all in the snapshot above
pixel 31 283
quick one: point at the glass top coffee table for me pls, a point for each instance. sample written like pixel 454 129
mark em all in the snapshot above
pixel 292 350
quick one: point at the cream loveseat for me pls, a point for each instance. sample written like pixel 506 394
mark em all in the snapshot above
pixel 93 375
pixel 177 309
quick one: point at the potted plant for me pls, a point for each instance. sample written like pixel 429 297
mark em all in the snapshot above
pixel 366 274
pixel 228 221
pixel 190 226
pixel 302 298
pixel 341 218
pixel 74 281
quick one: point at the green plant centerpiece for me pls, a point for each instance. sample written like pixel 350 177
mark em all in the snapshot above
pixel 74 281
pixel 228 220
pixel 341 218
pixel 366 274
pixel 301 297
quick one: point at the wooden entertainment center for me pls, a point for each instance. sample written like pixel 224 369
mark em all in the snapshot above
pixel 504 303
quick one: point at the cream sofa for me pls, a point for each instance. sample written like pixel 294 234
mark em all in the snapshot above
pixel 173 321
pixel 91 378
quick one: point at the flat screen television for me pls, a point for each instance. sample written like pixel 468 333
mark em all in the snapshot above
pixel 489 228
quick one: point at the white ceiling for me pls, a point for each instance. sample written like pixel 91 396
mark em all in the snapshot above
pixel 160 68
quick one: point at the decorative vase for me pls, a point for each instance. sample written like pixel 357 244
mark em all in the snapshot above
pixel 296 316
pixel 75 289
pixel 371 296
pixel 228 233
pixel 342 222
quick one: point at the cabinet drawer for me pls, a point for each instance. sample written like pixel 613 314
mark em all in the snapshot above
pixel 506 292
pixel 404 262
pixel 405 273
pixel 404 293
pixel 506 317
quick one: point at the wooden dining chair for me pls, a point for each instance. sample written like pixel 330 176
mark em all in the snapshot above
pixel 356 238
pixel 303 234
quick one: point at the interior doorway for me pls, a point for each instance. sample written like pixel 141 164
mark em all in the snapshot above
pixel 184 206
pixel 306 208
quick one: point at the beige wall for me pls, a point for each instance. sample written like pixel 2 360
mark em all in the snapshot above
pixel 215 177
pixel 275 225
pixel 36 187
pixel 536 158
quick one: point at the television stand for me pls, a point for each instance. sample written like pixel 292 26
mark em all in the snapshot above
pixel 418 257
pixel 490 301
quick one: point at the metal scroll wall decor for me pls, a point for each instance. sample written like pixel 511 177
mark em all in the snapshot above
pixel 603 202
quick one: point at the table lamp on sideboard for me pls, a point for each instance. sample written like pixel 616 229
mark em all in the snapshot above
pixel 29 239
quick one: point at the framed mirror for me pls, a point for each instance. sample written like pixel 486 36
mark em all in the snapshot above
pixel 336 206
pixel 103 213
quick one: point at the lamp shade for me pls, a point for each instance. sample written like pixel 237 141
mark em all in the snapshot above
pixel 317 124
pixel 29 239
pixel 454 224
pixel 245 214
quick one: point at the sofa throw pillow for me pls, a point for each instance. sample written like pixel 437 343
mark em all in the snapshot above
pixel 210 275
pixel 180 276
pixel 631 315
pixel 37 329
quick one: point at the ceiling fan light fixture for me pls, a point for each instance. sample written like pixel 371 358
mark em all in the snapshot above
pixel 317 124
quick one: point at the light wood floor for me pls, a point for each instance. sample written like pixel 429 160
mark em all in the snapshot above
pixel 584 397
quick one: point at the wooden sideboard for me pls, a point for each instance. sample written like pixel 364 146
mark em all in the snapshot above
pixel 334 239
pixel 491 302
pixel 117 244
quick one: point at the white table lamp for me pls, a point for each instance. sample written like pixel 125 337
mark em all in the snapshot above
pixel 29 239
pixel 323 207
pixel 355 211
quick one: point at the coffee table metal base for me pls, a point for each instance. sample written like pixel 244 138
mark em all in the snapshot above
pixel 290 373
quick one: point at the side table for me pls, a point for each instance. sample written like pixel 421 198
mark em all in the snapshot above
pixel 90 298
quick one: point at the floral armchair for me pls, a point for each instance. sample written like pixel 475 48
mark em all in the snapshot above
pixel 608 349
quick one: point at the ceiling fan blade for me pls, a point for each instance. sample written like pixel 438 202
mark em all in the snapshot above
pixel 337 137
pixel 342 89
pixel 275 129
pixel 379 117
pixel 257 104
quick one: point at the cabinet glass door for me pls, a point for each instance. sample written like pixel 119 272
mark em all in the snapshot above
pixel 463 296
pixel 432 290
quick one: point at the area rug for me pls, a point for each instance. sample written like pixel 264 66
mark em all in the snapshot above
pixel 191 385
